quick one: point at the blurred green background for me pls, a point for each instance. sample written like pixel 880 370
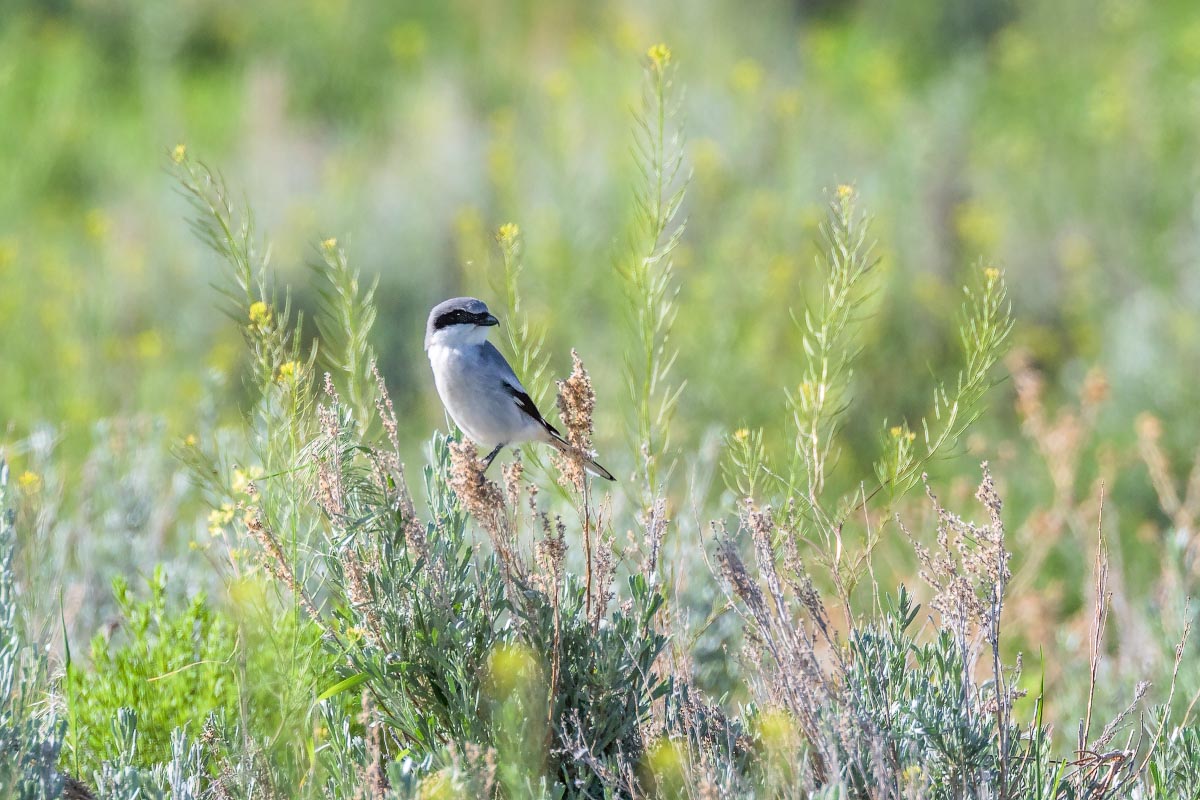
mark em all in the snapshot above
pixel 1056 140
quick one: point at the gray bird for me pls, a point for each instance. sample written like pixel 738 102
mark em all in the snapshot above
pixel 479 389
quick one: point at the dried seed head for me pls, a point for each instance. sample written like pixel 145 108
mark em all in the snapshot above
pixel 373 783
pixel 576 404
pixel 605 569
pixel 551 555
pixel 734 570
pixel 358 591
pixel 480 496
pixel 570 471
pixel 513 471
pixel 274 560
pixel 1095 389
pixel 970 567
pixel 387 412
pixel 484 501
pixel 655 524
pixel 330 491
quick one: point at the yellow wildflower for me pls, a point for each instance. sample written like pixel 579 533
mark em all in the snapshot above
pixel 896 431
pixel 1015 51
pixel 287 371
pixel 508 233
pixel 179 153
pixel 991 273
pixel 510 669
pixel 557 84
pixel 329 245
pixel 97 223
pixel 218 518
pixel 667 764
pixel 408 41
pixel 501 163
pixel 441 785
pixel 740 434
pixel 29 481
pixel 659 55
pixel 242 478
pixel 845 191
pixel 978 225
pixel 190 440
pixel 149 344
pixel 777 731
pixel 1075 251
pixel 8 251
pixel 787 103
pixel 706 156
pixel 260 314
pixel 747 76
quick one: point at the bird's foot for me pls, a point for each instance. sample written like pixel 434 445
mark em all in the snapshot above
pixel 487 462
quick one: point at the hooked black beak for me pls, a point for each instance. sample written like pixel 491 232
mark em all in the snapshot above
pixel 489 320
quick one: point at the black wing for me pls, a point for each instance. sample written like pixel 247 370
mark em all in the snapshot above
pixel 525 403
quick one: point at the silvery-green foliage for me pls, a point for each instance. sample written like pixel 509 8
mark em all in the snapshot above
pixel 1174 771
pixel 436 610
pixel 30 743
pixel 185 771
pixel 919 707
pixel 344 754
pixel 119 777
pixel 438 606
pixel 127 497
pixel 180 778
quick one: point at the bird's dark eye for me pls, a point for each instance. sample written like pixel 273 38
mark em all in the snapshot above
pixel 455 317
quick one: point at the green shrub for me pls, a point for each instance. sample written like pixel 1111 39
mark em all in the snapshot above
pixel 171 663
pixel 175 666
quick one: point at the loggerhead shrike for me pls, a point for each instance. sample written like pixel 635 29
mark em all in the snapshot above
pixel 478 387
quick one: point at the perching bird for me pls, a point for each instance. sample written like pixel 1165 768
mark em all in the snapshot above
pixel 478 387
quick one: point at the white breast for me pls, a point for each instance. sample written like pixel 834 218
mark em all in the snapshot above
pixel 476 399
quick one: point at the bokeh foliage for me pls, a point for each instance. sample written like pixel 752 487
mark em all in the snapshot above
pixel 1053 141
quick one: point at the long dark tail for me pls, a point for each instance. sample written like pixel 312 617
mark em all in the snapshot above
pixel 590 465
